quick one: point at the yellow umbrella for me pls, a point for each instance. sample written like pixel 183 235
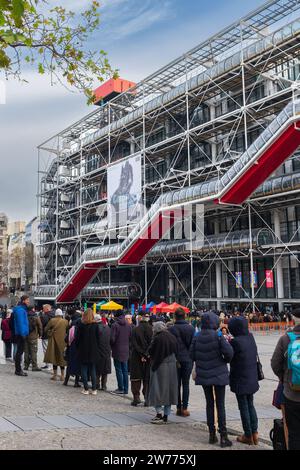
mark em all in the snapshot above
pixel 111 306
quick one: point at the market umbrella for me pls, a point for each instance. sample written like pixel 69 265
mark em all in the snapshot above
pixel 111 306
pixel 173 307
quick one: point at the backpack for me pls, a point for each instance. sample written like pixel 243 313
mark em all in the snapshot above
pixel 293 356
pixel 277 435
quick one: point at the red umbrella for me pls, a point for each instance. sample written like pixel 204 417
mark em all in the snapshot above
pixel 159 306
pixel 173 307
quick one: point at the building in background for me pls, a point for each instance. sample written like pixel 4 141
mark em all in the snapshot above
pixel 184 132
pixel 31 253
pixel 16 255
pixel 3 253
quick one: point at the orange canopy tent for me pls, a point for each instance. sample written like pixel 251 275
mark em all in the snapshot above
pixel 173 307
pixel 158 307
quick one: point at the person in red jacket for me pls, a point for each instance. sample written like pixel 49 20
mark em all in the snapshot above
pixel 7 335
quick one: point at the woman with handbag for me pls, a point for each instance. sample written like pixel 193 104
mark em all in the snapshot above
pixel 245 371
pixel 56 330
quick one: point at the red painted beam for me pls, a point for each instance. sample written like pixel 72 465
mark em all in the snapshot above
pixel 268 162
pixel 152 234
pixel 78 282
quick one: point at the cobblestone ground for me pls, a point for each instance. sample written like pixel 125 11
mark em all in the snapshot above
pixel 37 396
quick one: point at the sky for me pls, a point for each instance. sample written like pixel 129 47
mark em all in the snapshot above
pixel 139 37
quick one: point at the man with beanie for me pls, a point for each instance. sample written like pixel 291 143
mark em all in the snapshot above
pixel 119 340
pixel 140 360
pixel 21 331
pixel 279 364
pixel 184 334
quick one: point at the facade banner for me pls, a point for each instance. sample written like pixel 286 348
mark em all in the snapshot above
pixel 253 279
pixel 269 279
pixel 238 280
pixel 124 191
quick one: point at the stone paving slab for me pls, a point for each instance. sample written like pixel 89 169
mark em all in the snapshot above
pixel 120 419
pixel 94 421
pixel 6 426
pixel 144 418
pixel 29 423
pixel 63 422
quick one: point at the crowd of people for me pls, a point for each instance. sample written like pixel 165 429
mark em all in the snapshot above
pixel 157 355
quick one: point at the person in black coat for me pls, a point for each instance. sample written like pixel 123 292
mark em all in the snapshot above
pixel 87 341
pixel 103 366
pixel 243 377
pixel 184 333
pixel 139 359
pixel 212 352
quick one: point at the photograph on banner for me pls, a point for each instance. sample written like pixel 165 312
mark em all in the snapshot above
pixel 269 279
pixel 124 191
pixel 238 280
pixel 253 280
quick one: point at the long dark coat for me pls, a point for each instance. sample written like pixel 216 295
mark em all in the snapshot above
pixel 243 367
pixel 140 342
pixel 163 386
pixel 103 366
pixel 87 341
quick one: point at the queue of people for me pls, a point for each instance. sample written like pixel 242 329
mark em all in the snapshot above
pixel 163 355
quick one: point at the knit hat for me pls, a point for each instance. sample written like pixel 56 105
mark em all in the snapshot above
pixel 59 313
pixel 159 326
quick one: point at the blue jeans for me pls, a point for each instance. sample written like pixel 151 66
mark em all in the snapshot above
pixel 122 375
pixel 248 414
pixel 184 374
pixel 88 369
pixel 167 410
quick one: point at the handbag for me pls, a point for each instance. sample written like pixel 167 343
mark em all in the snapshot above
pixel 260 373
pixel 278 397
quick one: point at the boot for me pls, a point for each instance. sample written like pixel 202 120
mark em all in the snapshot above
pixel 54 376
pixel 224 441
pixel 178 412
pixel 245 440
pixel 66 379
pixel 255 438
pixel 104 382
pixel 213 438
pixel 98 382
pixel 185 412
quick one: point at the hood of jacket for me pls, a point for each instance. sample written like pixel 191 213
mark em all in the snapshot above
pixel 121 320
pixel 210 321
pixel 238 326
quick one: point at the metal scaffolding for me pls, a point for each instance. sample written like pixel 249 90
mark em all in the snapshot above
pixel 190 122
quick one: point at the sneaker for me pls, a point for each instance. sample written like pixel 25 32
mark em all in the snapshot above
pixel 21 374
pixel 44 367
pixel 94 392
pixel 158 419
pixel 118 392
pixel 85 392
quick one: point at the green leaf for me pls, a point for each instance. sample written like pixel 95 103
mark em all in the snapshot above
pixel 17 11
pixel 41 68
pixel 4 60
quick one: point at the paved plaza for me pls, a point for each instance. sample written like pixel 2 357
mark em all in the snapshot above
pixel 36 413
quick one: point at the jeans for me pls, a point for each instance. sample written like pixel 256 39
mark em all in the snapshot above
pixel 248 414
pixel 87 369
pixel 7 349
pixel 122 375
pixel 210 407
pixel 167 410
pixel 20 341
pixel 184 374
pixel 44 346
pixel 292 416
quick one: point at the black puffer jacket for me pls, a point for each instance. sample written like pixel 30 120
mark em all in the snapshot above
pixel 87 341
pixel 184 333
pixel 243 367
pixel 211 352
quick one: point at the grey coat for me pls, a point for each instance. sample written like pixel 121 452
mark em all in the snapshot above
pixel 280 368
pixel 163 383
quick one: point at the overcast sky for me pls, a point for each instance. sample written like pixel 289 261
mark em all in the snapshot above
pixel 139 37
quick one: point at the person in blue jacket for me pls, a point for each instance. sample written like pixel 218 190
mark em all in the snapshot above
pixel 211 353
pixel 243 377
pixel 21 331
